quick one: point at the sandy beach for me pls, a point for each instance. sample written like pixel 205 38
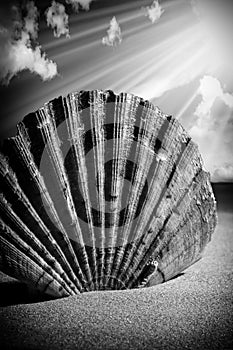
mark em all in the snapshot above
pixel 192 311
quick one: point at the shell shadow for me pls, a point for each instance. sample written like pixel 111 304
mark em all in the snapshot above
pixel 16 292
pixel 175 277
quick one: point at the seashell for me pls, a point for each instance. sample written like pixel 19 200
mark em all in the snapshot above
pixel 101 191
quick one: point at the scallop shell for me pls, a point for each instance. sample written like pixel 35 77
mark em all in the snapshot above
pixel 101 191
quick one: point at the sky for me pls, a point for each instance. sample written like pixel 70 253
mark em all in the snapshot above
pixel 176 53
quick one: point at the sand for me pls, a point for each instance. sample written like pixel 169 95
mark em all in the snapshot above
pixel 192 311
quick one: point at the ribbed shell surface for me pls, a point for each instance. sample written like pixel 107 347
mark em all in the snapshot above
pixel 97 188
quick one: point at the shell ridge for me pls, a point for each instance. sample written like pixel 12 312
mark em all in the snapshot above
pixel 46 199
pixel 156 246
pixel 148 208
pixel 114 190
pixel 28 210
pixel 118 171
pixel 127 131
pixel 139 173
pixel 75 130
pixel 190 253
pixel 30 240
pixel 153 195
pixel 174 184
pixel 58 276
pixel 12 265
pixel 53 143
pixel 97 116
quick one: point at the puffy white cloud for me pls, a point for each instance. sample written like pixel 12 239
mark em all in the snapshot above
pixel 114 36
pixel 77 4
pixel 58 19
pixel 31 20
pixel 18 48
pixel 19 55
pixel 213 128
pixel 154 12
pixel 223 174
pixel 210 89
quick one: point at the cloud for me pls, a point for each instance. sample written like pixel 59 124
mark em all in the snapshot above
pixel 58 19
pixel 19 55
pixel 31 20
pixel 77 4
pixel 114 36
pixel 19 51
pixel 223 173
pixel 154 12
pixel 210 89
pixel 213 128
pixel 3 31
